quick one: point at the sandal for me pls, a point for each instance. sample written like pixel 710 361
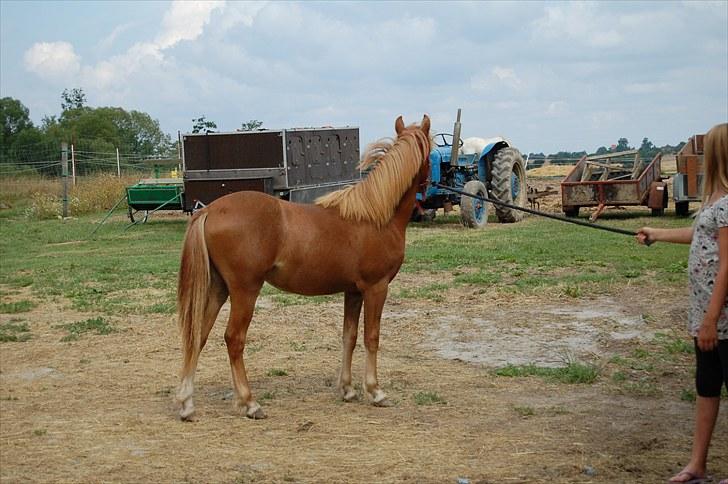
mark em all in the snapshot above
pixel 692 478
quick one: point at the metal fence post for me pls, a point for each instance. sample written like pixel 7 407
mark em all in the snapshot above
pixel 64 176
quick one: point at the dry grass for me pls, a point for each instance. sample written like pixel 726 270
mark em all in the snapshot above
pixel 551 170
pixel 43 196
pixel 14 189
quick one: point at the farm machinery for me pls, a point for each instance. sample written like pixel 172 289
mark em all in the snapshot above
pixel 614 179
pixel 302 164
pixel 687 181
pixel 483 167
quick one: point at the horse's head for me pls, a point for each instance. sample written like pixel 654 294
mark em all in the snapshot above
pixel 421 135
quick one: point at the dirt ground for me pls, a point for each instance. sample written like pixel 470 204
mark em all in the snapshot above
pixel 102 409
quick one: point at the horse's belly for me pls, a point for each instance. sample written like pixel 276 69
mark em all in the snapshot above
pixel 313 283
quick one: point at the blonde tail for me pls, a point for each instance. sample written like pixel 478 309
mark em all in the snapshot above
pixel 192 290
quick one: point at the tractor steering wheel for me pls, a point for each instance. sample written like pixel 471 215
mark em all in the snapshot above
pixel 441 140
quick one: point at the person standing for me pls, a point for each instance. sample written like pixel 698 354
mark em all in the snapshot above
pixel 708 282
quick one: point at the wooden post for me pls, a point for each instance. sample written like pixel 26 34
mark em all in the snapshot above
pixel 73 165
pixel 118 164
pixel 64 176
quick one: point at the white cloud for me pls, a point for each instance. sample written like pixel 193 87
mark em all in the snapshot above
pixel 109 40
pixel 557 108
pixel 52 61
pixel 185 21
pixel 579 22
pixel 647 87
pixel 244 13
pixel 498 76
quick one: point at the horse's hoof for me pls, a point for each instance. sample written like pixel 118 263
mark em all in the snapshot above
pixel 350 396
pixel 255 412
pixel 187 415
pixel 386 403
pixel 257 415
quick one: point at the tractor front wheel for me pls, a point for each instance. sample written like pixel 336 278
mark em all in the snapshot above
pixel 474 212
pixel 509 183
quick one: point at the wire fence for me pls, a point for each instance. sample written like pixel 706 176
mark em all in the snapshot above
pixel 45 160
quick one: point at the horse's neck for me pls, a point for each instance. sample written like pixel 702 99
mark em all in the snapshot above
pixel 403 213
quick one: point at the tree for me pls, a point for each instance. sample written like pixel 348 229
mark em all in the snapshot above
pixel 202 125
pixel 15 119
pixel 73 99
pixel 648 150
pixel 251 125
pixel 602 150
pixel 623 145
pixel 107 128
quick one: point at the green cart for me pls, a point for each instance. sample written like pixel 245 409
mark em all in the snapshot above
pixel 153 194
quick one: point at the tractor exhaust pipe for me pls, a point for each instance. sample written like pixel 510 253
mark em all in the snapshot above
pixel 455 142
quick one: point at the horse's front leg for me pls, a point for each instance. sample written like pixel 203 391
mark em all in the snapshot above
pixel 352 310
pixel 373 303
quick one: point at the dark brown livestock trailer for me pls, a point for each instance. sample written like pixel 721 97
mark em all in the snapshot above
pixel 294 164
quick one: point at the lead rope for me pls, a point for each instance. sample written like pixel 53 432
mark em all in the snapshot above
pixel 541 214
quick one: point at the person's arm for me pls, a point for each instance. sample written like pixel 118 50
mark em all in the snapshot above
pixel 708 332
pixel 649 235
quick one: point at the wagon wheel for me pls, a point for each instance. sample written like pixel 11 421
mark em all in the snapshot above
pixel 427 215
pixel 682 208
pixel 132 213
pixel 474 212
pixel 659 212
pixel 571 211
pixel 509 183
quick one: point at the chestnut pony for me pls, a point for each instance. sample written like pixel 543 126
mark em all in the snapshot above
pixel 349 241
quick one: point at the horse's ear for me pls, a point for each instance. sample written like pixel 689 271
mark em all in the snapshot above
pixel 425 124
pixel 399 126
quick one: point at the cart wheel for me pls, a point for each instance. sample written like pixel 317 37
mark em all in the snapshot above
pixel 659 212
pixel 571 211
pixel 428 215
pixel 133 213
pixel 682 208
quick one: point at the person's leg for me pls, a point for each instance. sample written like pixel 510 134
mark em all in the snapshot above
pixel 708 382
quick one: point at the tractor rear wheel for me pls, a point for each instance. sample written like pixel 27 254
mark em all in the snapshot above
pixel 474 212
pixel 509 183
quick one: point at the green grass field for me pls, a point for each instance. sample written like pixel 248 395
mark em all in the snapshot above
pixel 134 271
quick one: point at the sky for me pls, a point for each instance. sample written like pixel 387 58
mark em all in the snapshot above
pixel 549 76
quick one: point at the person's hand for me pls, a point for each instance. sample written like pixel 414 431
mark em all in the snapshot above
pixel 645 236
pixel 708 335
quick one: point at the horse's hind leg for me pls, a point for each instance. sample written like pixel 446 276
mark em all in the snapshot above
pixel 352 310
pixel 241 312
pixel 216 298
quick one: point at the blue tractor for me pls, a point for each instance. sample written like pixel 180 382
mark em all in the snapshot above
pixel 490 168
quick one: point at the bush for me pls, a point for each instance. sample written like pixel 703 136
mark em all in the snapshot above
pixel 43 206
pixel 91 194
pixel 98 192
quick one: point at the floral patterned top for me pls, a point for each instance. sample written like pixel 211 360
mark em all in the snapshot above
pixel 703 265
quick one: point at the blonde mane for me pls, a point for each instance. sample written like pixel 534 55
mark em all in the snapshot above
pixel 393 165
